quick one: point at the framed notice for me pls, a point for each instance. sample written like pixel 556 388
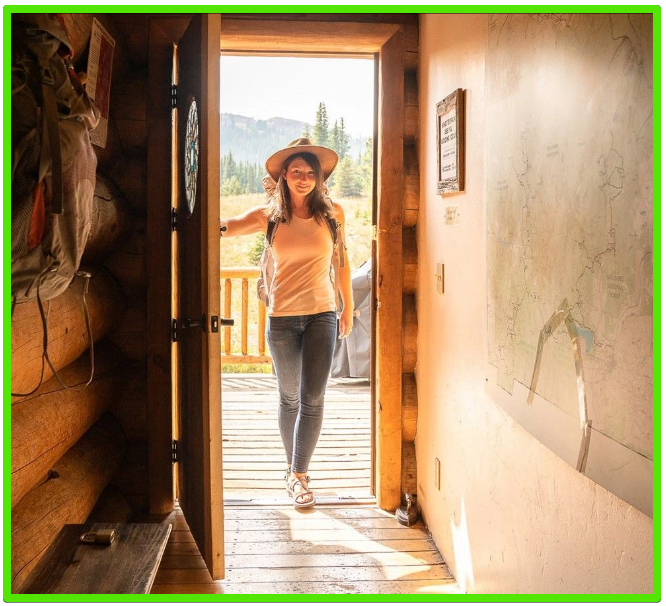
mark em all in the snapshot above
pixel 451 143
pixel 98 85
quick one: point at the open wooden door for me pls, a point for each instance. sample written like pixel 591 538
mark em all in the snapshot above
pixel 199 414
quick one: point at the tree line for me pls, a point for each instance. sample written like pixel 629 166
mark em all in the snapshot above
pixel 352 177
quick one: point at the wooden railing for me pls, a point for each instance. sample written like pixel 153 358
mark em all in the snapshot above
pixel 245 275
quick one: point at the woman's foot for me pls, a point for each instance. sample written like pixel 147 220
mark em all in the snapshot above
pixel 297 489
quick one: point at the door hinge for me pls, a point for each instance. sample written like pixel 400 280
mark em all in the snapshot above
pixel 174 219
pixel 174 330
pixel 175 451
pixel 174 96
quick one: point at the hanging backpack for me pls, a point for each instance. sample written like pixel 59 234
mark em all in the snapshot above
pixel 53 162
pixel 53 168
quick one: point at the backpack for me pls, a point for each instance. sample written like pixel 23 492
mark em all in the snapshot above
pixel 267 262
pixel 53 169
pixel 53 162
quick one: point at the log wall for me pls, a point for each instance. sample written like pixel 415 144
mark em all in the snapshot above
pixel 66 495
pixel 82 453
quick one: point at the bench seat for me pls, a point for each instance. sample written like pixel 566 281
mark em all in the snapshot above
pixel 127 566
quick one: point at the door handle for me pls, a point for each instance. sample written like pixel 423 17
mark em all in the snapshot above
pixel 194 322
pixel 201 323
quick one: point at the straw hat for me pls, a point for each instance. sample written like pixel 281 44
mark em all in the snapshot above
pixel 327 157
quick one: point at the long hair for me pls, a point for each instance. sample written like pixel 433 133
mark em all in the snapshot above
pixel 319 204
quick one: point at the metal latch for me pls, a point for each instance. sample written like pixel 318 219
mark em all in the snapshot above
pixel 175 451
pixel 194 323
pixel 214 324
pixel 174 330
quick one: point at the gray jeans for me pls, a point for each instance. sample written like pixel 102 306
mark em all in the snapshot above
pixel 302 350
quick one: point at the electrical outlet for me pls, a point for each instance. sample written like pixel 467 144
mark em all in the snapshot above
pixel 440 278
pixel 437 473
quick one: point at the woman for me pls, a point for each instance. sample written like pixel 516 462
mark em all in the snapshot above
pixel 302 304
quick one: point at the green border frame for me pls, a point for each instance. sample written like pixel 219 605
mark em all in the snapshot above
pixel 655 596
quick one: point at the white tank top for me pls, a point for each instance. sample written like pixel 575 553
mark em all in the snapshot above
pixel 302 284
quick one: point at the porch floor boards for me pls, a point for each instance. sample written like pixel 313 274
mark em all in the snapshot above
pixel 252 453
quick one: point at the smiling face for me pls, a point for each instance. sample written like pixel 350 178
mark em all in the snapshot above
pixel 301 179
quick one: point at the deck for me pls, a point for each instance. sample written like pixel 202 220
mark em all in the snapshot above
pixel 253 457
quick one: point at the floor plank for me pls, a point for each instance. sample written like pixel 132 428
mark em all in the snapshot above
pixel 329 550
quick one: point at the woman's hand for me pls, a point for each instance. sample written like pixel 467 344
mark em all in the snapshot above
pixel 346 322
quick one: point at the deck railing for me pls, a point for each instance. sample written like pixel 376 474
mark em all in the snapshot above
pixel 230 278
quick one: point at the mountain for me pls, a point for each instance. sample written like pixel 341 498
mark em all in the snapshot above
pixel 251 140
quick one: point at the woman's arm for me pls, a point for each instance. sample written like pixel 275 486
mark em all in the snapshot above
pixel 344 278
pixel 251 221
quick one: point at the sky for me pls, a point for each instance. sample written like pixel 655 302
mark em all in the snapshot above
pixel 290 87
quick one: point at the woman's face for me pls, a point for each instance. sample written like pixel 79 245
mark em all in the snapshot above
pixel 300 178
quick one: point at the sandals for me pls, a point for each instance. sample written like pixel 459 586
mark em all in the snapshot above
pixel 299 493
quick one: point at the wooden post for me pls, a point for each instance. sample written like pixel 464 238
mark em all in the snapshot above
pixel 244 316
pixel 389 275
pixel 227 314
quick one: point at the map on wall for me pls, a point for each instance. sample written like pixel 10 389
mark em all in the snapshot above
pixel 569 221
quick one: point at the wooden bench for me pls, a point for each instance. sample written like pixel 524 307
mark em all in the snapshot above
pixel 128 565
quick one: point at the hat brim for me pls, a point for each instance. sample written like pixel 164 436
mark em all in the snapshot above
pixel 328 159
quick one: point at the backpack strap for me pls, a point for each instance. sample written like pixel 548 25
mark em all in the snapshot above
pixel 334 228
pixel 45 339
pixel 51 129
pixel 270 231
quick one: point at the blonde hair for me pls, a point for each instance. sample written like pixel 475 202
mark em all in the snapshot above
pixel 319 204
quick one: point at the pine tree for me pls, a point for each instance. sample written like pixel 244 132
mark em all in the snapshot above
pixel 348 182
pixel 231 186
pixel 320 134
pixel 365 166
pixel 334 138
pixel 343 141
pixel 229 167
pixel 306 132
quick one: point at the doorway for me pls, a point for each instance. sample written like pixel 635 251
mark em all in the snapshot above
pixel 330 100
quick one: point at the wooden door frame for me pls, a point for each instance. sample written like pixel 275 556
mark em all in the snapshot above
pixel 386 42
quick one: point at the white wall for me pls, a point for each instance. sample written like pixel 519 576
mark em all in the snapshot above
pixel 510 516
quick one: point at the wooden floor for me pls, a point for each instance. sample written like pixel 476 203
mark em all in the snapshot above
pixel 333 548
pixel 329 550
pixel 253 456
